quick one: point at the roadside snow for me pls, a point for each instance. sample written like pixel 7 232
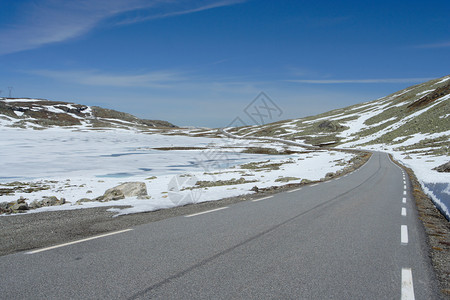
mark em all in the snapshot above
pixel 83 164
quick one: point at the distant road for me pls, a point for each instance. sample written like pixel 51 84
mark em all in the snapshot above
pixel 356 237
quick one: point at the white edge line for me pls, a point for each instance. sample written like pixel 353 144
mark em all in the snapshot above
pixel 256 200
pixel 404 200
pixel 407 284
pixel 76 242
pixel 296 190
pixel 404 234
pixel 314 184
pixel 403 211
pixel 205 212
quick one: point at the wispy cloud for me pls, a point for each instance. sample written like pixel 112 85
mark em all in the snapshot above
pixel 155 79
pixel 150 15
pixel 48 21
pixel 169 80
pixel 434 45
pixel 344 81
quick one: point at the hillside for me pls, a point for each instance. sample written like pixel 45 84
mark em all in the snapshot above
pixel 414 118
pixel 41 113
pixel 412 124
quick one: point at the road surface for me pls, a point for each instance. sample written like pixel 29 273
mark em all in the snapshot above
pixel 356 237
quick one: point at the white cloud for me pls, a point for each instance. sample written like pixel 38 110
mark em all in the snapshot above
pixel 151 16
pixel 155 79
pixel 343 81
pixel 434 46
pixel 44 22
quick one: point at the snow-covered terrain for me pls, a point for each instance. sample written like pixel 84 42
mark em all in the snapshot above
pixel 100 148
pixel 412 124
pixel 76 164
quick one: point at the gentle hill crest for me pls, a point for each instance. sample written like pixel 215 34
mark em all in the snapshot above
pixel 42 113
pixel 416 117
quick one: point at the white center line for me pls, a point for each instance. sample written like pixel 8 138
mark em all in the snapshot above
pixel 404 182
pixel 205 212
pixel 403 211
pixel 404 200
pixel 256 200
pixel 404 186
pixel 76 242
pixel 404 192
pixel 296 190
pixel 404 234
pixel 407 284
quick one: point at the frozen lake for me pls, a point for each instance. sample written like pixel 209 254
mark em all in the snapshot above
pixel 58 153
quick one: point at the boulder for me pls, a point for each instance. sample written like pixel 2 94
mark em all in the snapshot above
pixel 111 195
pixel 19 205
pixel 445 168
pixel 4 207
pixel 49 201
pixel 35 204
pixel 83 200
pixel 255 189
pixel 128 189
pixel 329 175
pixel 330 125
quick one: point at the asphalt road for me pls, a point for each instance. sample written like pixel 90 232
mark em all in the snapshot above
pixel 356 237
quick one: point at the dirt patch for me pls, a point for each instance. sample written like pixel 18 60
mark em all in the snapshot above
pixel 427 99
pixel 269 151
pixel 205 184
pixel 179 148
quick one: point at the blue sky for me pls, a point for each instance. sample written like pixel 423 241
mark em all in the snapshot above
pixel 202 62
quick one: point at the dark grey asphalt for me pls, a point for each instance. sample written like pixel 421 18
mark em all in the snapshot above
pixel 335 240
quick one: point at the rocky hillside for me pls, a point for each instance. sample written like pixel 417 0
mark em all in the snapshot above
pixel 416 118
pixel 41 113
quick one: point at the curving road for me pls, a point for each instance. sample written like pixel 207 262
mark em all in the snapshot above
pixel 356 237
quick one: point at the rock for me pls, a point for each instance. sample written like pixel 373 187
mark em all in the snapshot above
pixel 330 125
pixel 329 175
pixel 255 189
pixel 35 204
pixel 83 200
pixel 407 157
pixel 128 189
pixel 111 195
pixel 4 207
pixel 19 207
pixel 21 200
pixel 445 168
pixel 305 181
pixel 52 201
pixel 49 201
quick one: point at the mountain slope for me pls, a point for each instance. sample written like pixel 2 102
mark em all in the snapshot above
pixel 41 113
pixel 416 117
pixel 412 124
